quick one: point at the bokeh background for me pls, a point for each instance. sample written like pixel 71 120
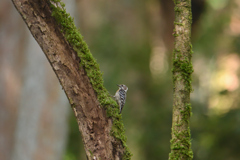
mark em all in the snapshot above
pixel 132 41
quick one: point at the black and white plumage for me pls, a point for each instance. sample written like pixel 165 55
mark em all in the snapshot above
pixel 121 96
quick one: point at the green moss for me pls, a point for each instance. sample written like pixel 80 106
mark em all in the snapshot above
pixel 177 9
pixel 184 67
pixel 180 145
pixel 178 23
pixel 75 39
pixel 175 34
pixel 90 153
pixel 187 112
pixel 191 51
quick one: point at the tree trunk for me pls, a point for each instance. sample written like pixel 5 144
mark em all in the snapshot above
pixel 97 114
pixel 182 70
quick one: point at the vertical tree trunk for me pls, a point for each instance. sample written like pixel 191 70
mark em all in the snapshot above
pixel 97 114
pixel 182 70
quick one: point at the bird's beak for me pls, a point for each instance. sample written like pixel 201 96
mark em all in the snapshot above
pixel 118 85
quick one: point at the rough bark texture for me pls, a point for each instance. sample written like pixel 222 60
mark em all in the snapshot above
pixel 93 123
pixel 182 70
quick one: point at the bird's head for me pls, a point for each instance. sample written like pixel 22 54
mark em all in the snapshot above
pixel 122 86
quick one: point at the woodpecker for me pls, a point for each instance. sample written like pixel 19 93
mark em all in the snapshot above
pixel 121 96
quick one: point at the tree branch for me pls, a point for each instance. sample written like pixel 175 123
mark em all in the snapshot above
pixel 79 74
pixel 182 70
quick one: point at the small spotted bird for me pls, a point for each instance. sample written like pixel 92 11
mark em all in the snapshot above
pixel 121 95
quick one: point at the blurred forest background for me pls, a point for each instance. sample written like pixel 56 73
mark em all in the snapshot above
pixel 132 41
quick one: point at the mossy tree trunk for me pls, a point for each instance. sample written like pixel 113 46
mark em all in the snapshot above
pixel 182 70
pixel 78 73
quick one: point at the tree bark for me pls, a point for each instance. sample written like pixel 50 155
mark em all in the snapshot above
pixel 94 124
pixel 182 70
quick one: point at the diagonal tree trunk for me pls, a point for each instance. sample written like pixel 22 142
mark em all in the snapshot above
pixel 182 70
pixel 96 113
